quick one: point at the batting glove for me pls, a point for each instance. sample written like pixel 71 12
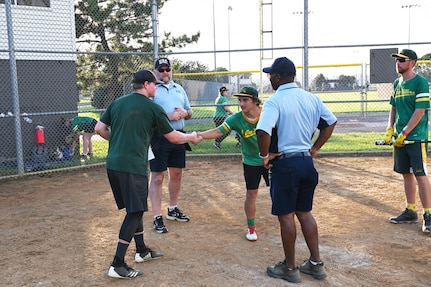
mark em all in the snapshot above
pixel 399 142
pixel 389 136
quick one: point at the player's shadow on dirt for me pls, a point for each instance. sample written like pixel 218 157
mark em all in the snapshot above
pixel 359 184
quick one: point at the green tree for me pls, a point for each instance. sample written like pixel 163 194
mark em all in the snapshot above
pixel 346 82
pixel 196 67
pixel 318 83
pixel 224 78
pixel 115 28
pixel 191 67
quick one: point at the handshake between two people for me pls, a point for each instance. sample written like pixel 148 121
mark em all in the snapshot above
pixel 178 137
pixel 193 137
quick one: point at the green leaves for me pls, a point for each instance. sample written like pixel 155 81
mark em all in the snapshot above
pixel 115 28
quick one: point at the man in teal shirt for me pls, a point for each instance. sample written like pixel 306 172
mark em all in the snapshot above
pixel 84 126
pixel 221 113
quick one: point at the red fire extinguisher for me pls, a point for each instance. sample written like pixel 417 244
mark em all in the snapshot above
pixel 40 135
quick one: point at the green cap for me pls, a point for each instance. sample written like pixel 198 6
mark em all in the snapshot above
pixel 247 92
pixel 406 54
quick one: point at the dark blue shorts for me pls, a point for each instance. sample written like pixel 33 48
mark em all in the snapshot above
pixel 411 158
pixel 167 155
pixel 253 174
pixel 130 190
pixel 293 181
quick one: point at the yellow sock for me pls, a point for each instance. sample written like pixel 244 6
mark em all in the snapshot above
pixel 411 206
pixel 427 210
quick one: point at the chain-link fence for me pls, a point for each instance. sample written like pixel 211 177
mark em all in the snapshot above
pixel 61 60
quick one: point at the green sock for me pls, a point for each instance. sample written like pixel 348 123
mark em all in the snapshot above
pixel 250 222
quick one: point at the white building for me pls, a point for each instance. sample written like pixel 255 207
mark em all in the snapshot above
pixel 44 48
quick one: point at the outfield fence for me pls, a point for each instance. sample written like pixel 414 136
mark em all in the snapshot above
pixel 360 110
pixel 51 71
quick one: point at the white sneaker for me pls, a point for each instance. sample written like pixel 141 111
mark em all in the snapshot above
pixel 148 255
pixel 123 272
pixel 251 236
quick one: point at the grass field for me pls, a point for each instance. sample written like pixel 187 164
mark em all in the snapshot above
pixel 349 142
pixel 338 102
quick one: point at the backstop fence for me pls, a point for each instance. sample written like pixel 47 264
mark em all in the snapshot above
pixel 48 77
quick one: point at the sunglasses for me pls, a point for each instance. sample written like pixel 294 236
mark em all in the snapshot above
pixel 402 60
pixel 164 70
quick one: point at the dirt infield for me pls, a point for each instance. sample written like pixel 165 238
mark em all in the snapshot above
pixel 61 230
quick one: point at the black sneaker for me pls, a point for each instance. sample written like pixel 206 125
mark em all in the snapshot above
pixel 159 226
pixel 123 271
pixel 147 255
pixel 426 226
pixel 177 214
pixel 317 271
pixel 408 216
pixel 281 271
pixel 217 146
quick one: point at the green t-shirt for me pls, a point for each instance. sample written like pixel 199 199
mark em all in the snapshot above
pixel 78 124
pixel 220 112
pixel 247 130
pixel 132 119
pixel 406 97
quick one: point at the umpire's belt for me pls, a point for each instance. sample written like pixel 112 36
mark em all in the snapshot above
pixel 294 154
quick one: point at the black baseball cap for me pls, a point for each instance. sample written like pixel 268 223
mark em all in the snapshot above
pixel 282 66
pixel 223 89
pixel 143 76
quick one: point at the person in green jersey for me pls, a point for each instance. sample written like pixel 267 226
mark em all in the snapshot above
pixel 222 111
pixel 408 120
pixel 244 123
pixel 81 126
pixel 129 123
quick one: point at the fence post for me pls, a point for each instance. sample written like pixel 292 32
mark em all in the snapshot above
pixel 14 86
